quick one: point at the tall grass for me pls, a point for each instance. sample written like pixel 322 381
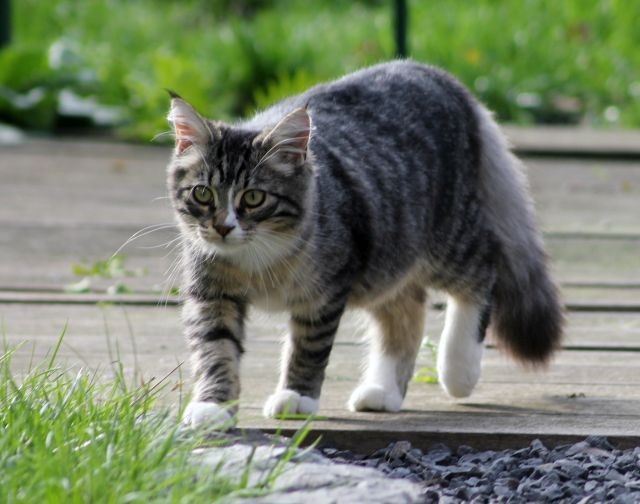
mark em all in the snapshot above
pixel 68 437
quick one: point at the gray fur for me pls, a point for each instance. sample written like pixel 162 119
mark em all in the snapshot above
pixel 405 183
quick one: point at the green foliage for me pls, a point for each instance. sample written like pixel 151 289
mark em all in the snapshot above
pixel 539 60
pixel 68 438
pixel 531 61
pixel 111 268
pixel 429 373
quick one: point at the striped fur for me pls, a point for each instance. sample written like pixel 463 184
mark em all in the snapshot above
pixel 370 190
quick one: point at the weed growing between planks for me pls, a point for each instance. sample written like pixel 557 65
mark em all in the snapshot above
pixel 69 437
pixel 112 268
pixel 429 373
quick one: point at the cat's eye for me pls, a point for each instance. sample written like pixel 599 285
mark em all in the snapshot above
pixel 253 198
pixel 203 195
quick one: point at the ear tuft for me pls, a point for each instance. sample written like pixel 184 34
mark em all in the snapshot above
pixel 289 139
pixel 172 93
pixel 188 126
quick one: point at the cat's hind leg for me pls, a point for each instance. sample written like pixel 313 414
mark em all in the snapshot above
pixel 394 345
pixel 461 345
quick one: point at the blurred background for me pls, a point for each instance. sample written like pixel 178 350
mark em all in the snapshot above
pixel 103 65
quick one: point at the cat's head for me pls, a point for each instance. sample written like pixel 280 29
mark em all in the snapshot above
pixel 239 193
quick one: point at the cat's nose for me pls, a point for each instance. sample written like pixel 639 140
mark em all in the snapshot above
pixel 222 229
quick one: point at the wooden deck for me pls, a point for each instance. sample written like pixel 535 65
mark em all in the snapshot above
pixel 65 203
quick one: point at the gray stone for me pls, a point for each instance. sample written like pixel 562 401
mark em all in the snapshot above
pixel 308 477
pixel 464 449
pixel 438 453
pixel 400 472
pixel 614 475
pixel 399 450
pixel 570 468
pixel 505 486
pixel 577 448
pixel 599 442
pixel 591 485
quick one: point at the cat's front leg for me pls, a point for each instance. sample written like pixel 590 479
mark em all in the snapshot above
pixel 214 328
pixel 305 358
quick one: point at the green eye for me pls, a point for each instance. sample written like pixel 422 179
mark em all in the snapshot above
pixel 253 198
pixel 202 195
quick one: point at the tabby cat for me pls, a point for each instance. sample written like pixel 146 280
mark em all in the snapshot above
pixel 362 192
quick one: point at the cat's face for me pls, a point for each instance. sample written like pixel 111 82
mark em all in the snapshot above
pixel 240 194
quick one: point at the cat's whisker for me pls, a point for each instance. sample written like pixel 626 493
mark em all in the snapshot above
pixel 162 134
pixel 162 245
pixel 170 281
pixel 273 150
pixel 294 272
pixel 143 232
pixel 290 240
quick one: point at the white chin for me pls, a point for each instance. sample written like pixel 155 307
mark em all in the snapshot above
pixel 220 247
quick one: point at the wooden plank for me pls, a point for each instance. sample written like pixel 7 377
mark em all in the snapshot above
pixel 538 139
pixel 589 260
pixel 569 140
pixel 121 184
pixel 160 325
pixel 110 190
pixel 155 342
pixel 583 392
pixel 61 297
pixel 87 148
pixel 500 413
pixel 36 254
pixel 586 196
pixel 110 193
pixel 594 293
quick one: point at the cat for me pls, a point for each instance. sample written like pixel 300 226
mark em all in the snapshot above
pixel 362 192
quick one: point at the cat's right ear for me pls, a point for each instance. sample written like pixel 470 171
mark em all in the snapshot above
pixel 189 127
pixel 289 139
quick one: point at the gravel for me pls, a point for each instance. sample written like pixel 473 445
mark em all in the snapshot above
pixel 586 472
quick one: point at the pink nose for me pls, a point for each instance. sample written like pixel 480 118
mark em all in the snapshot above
pixel 222 229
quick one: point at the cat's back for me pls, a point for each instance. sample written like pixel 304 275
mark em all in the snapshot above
pixel 390 94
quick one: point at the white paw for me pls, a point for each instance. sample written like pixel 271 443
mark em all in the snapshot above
pixel 199 413
pixel 372 397
pixel 458 377
pixel 289 402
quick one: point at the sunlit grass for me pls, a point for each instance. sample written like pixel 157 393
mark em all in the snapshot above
pixel 429 354
pixel 531 61
pixel 71 437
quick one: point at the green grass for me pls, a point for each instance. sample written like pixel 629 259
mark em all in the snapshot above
pixel 69 437
pixel 531 60
pixel 429 354
pixel 112 268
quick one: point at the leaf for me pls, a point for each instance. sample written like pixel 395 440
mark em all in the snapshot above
pixel 426 375
pixel 118 288
pixel 108 268
pixel 81 287
pixel 81 270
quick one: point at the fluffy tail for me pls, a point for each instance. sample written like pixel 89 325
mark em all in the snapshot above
pixel 527 317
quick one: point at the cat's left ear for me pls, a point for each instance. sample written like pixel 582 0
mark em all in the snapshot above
pixel 289 139
pixel 188 126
